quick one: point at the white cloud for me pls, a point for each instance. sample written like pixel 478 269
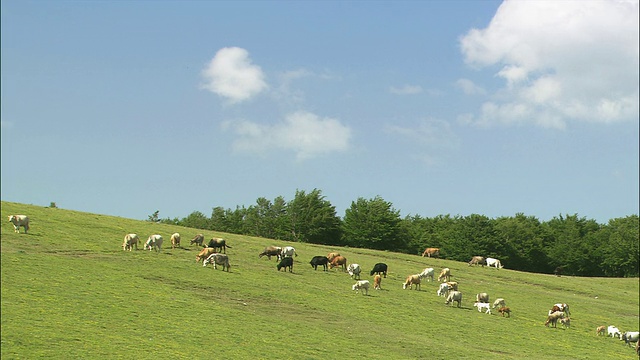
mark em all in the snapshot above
pixel 231 74
pixel 469 87
pixel 432 136
pixel 406 90
pixel 561 61
pixel 302 132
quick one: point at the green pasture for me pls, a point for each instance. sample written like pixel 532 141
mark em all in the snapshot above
pixel 69 291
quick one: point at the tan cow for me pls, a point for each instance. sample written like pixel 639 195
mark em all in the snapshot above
pixel 175 240
pixel 339 261
pixel 431 252
pixel 204 253
pixel 332 255
pixel 412 280
pixel 19 220
pixel 445 274
pixel 130 240
pixel 376 282
pixel 198 240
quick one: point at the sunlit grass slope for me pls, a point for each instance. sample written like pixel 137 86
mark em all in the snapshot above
pixel 70 292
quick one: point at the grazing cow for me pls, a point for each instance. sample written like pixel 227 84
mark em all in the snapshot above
pixel 361 285
pixel 562 307
pixel 219 259
pixel 339 261
pixel 431 252
pixel 379 268
pixel 175 240
pixel 412 280
pixel 478 260
pixel 427 273
pixel 483 305
pixel 332 255
pixel 376 282
pixel 494 262
pixel 454 296
pixel 204 253
pixel 630 337
pixel 319 260
pixel 482 297
pixel 553 318
pixel 443 290
pixel 288 251
pixel 613 332
pixel 218 243
pixel 286 262
pixel 601 330
pixel 270 251
pixel 130 240
pixel 499 302
pixel 445 275
pixel 354 271
pixel 566 322
pixel 505 310
pixel 198 240
pixel 19 220
pixel 154 242
pixel 453 285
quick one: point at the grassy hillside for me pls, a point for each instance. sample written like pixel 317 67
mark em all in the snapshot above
pixel 69 291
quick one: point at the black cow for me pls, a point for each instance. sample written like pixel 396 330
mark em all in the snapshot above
pixel 218 243
pixel 286 263
pixel 379 268
pixel 320 260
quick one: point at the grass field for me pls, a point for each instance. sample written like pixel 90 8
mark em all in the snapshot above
pixel 70 292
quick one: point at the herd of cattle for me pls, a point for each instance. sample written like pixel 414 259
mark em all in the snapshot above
pixel 214 253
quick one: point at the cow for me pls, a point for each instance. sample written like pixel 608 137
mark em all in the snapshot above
pixel 354 271
pixel 175 240
pixel 613 332
pixel 154 242
pixel 288 251
pixel 431 252
pixel 505 310
pixel 379 268
pixel 204 253
pixel 376 282
pixel 483 305
pixel 198 240
pixel 478 260
pixel 454 296
pixel 560 307
pixel 427 273
pixel 18 221
pixel 494 262
pixel 482 297
pixel 332 255
pixel 219 259
pixel 319 260
pixel 286 262
pixel 445 274
pixel 553 318
pixel 270 251
pixel 566 322
pixel 130 240
pixel 453 285
pixel 443 290
pixel 218 243
pixel 600 330
pixel 361 285
pixel 339 261
pixel 412 280
pixel 630 337
pixel 499 302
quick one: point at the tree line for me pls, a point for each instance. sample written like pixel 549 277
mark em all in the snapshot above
pixel 577 245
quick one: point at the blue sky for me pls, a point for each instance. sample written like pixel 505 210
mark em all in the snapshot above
pixel 439 107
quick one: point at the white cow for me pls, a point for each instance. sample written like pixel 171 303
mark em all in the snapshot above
pixel 175 240
pixel 217 259
pixel 613 332
pixel 494 262
pixel 354 271
pixel 361 285
pixel 288 251
pixel 443 290
pixel 454 296
pixel 19 220
pixel 130 240
pixel 154 242
pixel 563 307
pixel 427 273
pixel 482 305
pixel 630 337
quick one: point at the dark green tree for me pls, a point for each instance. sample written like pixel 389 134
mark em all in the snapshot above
pixel 621 247
pixel 374 224
pixel 313 219
pixel 196 220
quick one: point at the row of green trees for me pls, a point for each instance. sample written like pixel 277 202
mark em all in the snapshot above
pixel 580 246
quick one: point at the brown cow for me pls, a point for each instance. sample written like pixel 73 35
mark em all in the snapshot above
pixel 198 240
pixel 270 251
pixel 431 252
pixel 478 260
pixel 505 310
pixel 412 280
pixel 376 282
pixel 601 330
pixel 332 255
pixel 339 261
pixel 204 253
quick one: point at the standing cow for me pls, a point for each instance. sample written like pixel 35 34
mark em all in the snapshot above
pixel 175 240
pixel 218 243
pixel 19 220
pixel 431 252
pixel 198 240
pixel 130 240
pixel 154 242
pixel 319 260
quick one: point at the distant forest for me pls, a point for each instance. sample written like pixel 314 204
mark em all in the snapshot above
pixel 578 246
